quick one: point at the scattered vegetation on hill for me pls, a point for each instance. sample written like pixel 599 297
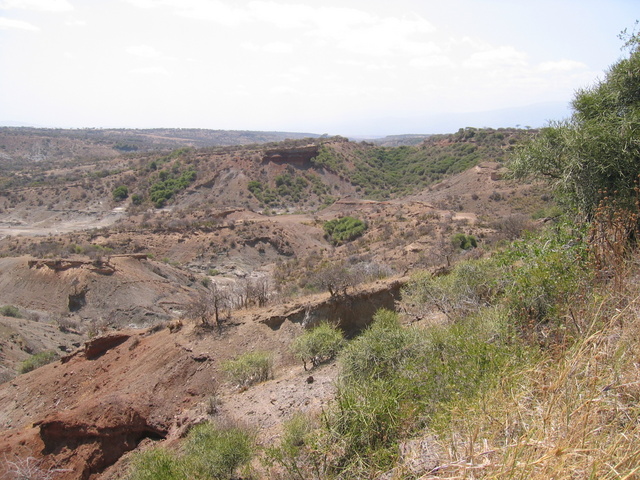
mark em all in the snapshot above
pixel 318 345
pixel 385 172
pixel 215 451
pixel 344 229
pixel 249 368
pixel 37 360
pixel 530 376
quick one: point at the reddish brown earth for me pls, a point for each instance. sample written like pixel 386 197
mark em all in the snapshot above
pixel 81 414
pixel 127 389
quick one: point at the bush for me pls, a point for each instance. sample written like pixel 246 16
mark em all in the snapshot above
pixel 394 381
pixel 465 242
pixel 120 193
pixel 291 453
pixel 217 451
pixel 37 360
pixel 210 451
pixel 249 368
pixel 318 345
pixel 157 464
pixel 594 154
pixel 345 229
pixel 380 350
pixel 470 285
pixel 10 311
pixel 542 274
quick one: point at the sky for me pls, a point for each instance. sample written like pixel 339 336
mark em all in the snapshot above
pixel 347 67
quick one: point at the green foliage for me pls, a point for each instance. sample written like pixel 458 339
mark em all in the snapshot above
pixel 168 185
pixel 136 199
pixel 328 159
pixel 318 345
pixel 470 286
pixel 384 172
pixel 542 273
pixel 394 379
pixel 464 242
pixel 37 360
pixel 210 452
pixel 289 188
pixel 380 350
pixel 217 451
pixel 157 464
pixel 596 152
pixel 291 453
pixel 345 229
pixel 10 311
pixel 120 193
pixel 249 368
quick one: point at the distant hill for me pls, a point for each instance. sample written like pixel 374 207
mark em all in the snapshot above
pixel 51 144
pixel 400 140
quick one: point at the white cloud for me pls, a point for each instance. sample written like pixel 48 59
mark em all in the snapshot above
pixel 142 3
pixel 144 51
pixel 561 66
pixel 37 5
pixel 8 23
pixel 150 71
pixel 76 23
pixel 497 57
pixel 271 47
pixel 211 10
pixel 424 63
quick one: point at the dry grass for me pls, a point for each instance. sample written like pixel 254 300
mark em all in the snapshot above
pixel 571 415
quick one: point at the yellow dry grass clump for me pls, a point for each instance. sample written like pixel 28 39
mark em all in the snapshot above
pixel 573 413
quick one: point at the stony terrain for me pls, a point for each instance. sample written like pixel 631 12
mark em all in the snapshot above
pixel 82 266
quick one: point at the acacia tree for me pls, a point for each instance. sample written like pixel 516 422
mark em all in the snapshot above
pixel 596 152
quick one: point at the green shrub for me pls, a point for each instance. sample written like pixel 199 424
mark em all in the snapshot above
pixel 542 274
pixel 10 311
pixel 380 350
pixel 594 154
pixel 168 185
pixel 345 229
pixel 157 464
pixel 120 193
pixel 394 381
pixel 291 453
pixel 37 360
pixel 217 451
pixel 249 368
pixel 318 345
pixel 465 242
pixel 470 285
pixel 210 452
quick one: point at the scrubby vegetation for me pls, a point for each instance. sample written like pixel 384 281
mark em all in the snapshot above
pixel 211 451
pixel 10 311
pixel 168 185
pixel 530 372
pixel 384 172
pixel 318 345
pixel 344 229
pixel 37 360
pixel 249 368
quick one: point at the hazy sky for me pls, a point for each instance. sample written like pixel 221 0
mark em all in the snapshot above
pixel 338 67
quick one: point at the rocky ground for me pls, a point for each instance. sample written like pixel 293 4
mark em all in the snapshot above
pixel 111 300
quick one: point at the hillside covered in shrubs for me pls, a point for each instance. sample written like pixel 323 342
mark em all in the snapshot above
pixel 519 364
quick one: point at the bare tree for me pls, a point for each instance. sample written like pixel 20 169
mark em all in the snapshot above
pixel 209 305
pixel 336 278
